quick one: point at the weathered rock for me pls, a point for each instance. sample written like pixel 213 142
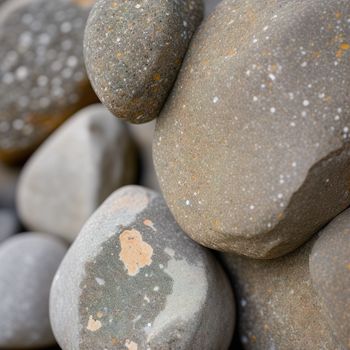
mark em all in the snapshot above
pixel 134 280
pixel 134 50
pixel 28 263
pixel 70 175
pixel 260 117
pixel 42 75
pixel 9 224
pixel 330 274
pixel 278 305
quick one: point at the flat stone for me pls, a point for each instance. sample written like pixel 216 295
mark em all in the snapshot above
pixel 330 274
pixel 71 174
pixel 28 263
pixel 278 306
pixel 134 50
pixel 9 224
pixel 134 280
pixel 43 78
pixel 259 115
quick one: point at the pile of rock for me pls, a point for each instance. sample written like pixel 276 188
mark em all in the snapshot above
pixel 251 150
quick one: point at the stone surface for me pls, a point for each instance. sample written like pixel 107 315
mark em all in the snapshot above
pixel 260 117
pixel 8 182
pixel 28 263
pixel 278 306
pixel 9 224
pixel 143 135
pixel 210 5
pixel 42 66
pixel 70 175
pixel 330 273
pixel 134 280
pixel 133 52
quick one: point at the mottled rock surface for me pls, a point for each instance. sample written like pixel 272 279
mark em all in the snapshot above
pixel 134 280
pixel 134 50
pixel 70 175
pixel 260 117
pixel 9 224
pixel 42 75
pixel 278 305
pixel 28 263
pixel 330 274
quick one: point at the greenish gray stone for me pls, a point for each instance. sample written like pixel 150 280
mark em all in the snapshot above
pixel 252 147
pixel 74 171
pixel 28 263
pixel 330 274
pixel 134 50
pixel 43 79
pixel 134 280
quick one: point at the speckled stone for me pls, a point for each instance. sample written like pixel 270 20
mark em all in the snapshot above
pixel 42 75
pixel 260 117
pixel 9 224
pixel 28 263
pixel 330 274
pixel 71 174
pixel 133 280
pixel 134 50
pixel 278 306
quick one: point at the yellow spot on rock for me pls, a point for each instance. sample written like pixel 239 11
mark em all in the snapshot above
pixel 345 46
pixel 135 253
pixel 93 325
pixel 348 266
pixel 150 224
pixel 131 345
pixel 84 2
pixel 156 77
pixel 119 55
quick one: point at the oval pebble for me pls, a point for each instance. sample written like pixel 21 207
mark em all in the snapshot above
pixel 28 263
pixel 71 174
pixel 134 50
pixel 134 280
pixel 260 117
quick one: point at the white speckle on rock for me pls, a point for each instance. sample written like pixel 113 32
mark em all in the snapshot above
pixel 215 99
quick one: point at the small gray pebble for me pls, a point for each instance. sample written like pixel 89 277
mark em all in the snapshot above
pixel 28 263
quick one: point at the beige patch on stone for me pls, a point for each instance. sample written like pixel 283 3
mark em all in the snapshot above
pixel 84 3
pixel 150 224
pixel 131 345
pixel 93 325
pixel 135 253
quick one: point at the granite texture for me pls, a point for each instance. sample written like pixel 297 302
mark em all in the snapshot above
pixel 134 50
pixel 134 280
pixel 257 128
pixel 42 66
